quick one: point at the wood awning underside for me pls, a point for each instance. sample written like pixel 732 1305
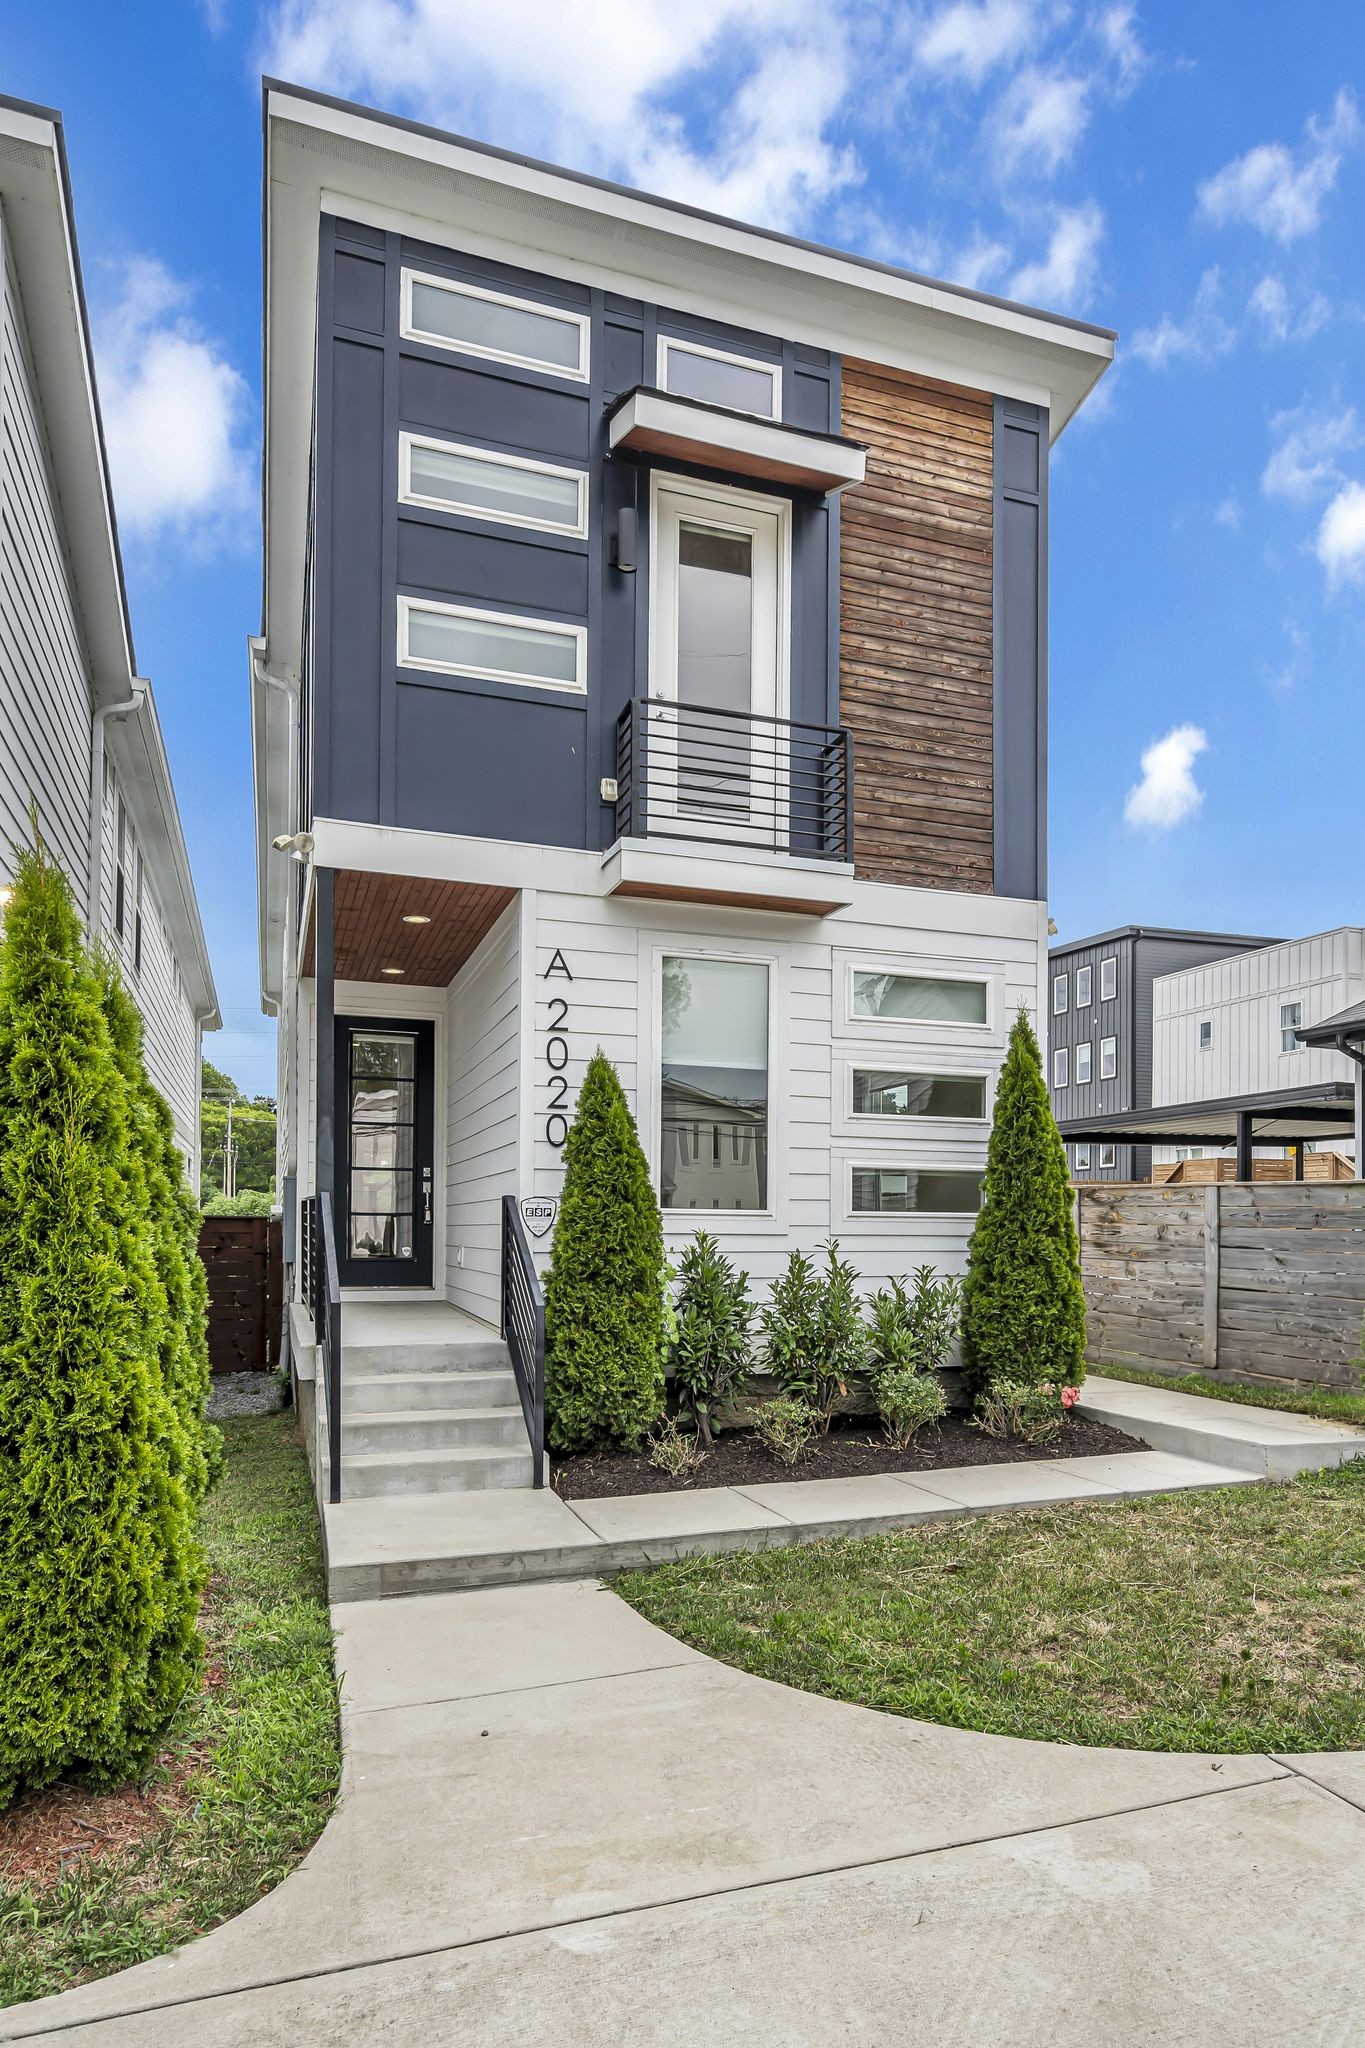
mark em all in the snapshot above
pixel 371 935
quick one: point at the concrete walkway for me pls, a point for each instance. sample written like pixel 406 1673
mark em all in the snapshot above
pixel 559 1825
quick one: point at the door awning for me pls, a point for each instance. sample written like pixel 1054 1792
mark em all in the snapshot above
pixel 712 437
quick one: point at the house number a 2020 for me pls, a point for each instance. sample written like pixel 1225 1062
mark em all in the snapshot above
pixel 557 1055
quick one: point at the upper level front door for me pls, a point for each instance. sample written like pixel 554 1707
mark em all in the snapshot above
pixel 385 1131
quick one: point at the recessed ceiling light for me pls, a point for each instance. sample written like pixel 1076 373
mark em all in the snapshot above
pixel 415 917
pixel 391 970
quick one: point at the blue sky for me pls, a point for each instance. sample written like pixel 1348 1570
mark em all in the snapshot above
pixel 1194 177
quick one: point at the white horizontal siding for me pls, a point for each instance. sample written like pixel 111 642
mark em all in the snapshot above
pixel 483 1115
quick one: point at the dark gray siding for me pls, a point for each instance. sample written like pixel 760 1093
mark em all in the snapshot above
pixel 1020 648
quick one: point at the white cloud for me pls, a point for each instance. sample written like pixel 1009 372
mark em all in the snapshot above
pixel 1118 33
pixel 1064 275
pixel 585 86
pixel 1340 543
pixel 1277 190
pixel 1202 336
pixel 175 412
pixel 1280 319
pixel 1041 118
pixel 971 40
pixel 1168 792
pixel 1229 512
pixel 1304 462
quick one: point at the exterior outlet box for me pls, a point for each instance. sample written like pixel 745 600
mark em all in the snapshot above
pixel 608 789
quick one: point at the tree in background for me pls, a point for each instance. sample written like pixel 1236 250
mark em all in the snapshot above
pixel 1023 1306
pixel 604 1313
pixel 253 1141
pixel 98 1568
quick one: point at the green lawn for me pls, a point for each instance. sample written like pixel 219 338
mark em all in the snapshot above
pixel 1231 1620
pixel 262 1735
pixel 1328 1404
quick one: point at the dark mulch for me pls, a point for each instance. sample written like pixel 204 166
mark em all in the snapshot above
pixel 853 1448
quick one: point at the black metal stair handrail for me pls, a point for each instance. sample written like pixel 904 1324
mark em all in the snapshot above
pixel 523 1327
pixel 322 1294
pixel 734 778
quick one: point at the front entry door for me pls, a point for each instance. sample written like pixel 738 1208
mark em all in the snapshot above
pixel 385 1071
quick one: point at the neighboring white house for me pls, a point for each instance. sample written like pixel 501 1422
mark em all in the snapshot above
pixel 79 733
pixel 1228 1028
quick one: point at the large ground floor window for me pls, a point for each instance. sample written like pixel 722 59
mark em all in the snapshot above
pixel 713 1096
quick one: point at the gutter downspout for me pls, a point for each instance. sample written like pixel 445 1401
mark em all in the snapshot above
pixel 290 690
pixel 95 887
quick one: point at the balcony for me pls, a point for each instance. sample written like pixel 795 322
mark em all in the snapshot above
pixel 760 809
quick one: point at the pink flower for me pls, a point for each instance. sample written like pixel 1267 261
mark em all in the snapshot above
pixel 1070 1396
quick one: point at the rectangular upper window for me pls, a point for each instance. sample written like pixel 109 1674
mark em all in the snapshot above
pixel 1109 979
pixel 1205 1034
pixel 713 1094
pixel 1081 1156
pixel 479 322
pixel 1291 1016
pixel 450 477
pixel 1083 1063
pixel 1108 1158
pixel 690 370
pixel 880 1093
pixel 1109 1058
pixel 459 641
pixel 918 998
pixel 1059 995
pixel 1083 980
pixel 1059 1067
pixel 900 1190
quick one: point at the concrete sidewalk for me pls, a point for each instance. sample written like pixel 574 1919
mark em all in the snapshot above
pixel 559 1824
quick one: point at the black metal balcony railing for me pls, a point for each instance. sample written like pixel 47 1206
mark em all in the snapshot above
pixel 733 778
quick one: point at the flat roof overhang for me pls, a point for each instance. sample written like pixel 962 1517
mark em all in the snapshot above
pixel 654 422
pixel 1279 1116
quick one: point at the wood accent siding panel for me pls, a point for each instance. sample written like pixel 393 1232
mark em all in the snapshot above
pixel 915 604
pixel 370 934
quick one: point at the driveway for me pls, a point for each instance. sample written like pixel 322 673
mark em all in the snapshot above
pixel 560 1825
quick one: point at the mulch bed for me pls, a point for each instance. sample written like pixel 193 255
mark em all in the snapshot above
pixel 853 1449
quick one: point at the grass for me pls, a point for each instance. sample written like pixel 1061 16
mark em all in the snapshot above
pixel 1230 1620
pixel 1329 1404
pixel 260 1740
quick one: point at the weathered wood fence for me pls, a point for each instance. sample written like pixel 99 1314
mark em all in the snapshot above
pixel 1263 1281
pixel 242 1258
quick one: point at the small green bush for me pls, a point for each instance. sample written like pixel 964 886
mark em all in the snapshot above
pixel 604 1311
pixel 251 1202
pixel 1023 1306
pixel 1016 1409
pixel 711 1351
pixel 815 1337
pixel 787 1427
pixel 908 1401
pixel 914 1326
pixel 673 1451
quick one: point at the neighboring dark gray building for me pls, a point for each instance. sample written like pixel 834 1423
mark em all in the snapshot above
pixel 1099 1028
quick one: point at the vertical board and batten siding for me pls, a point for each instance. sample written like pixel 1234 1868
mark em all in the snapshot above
pixel 1241 996
pixel 45 705
pixel 1263 1281
pixel 916 629
pixel 483 1114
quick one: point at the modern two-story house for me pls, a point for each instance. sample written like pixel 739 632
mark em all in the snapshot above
pixel 654 657
pixel 79 734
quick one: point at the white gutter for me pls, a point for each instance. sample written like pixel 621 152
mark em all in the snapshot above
pixel 288 688
pixel 96 883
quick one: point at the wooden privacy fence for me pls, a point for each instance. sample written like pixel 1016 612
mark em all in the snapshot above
pixel 1262 1280
pixel 243 1260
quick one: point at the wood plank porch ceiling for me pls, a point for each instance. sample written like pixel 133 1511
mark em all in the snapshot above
pixel 371 934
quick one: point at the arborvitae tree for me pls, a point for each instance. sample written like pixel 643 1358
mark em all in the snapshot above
pixel 1023 1306
pixel 92 1591
pixel 604 1313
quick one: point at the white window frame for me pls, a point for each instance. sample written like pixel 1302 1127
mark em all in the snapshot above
pixel 1109 1158
pixel 1205 1044
pixel 720 355
pixel 1287 1031
pixel 1061 992
pixel 878 1219
pixel 411 332
pixel 577 530
pixel 897 1028
pixel 654 948
pixel 577 688
pixel 1084 980
pixel 1080 1158
pixel 1109 1073
pixel 1109 978
pixel 1061 1067
pixel 768 524
pixel 1083 1079
pixel 866 1120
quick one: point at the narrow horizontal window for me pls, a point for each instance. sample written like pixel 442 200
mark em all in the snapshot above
pixel 918 999
pixel 1083 1063
pixel 690 371
pixel 895 1191
pixel 455 640
pixel 485 323
pixel 507 488
pixel 879 1093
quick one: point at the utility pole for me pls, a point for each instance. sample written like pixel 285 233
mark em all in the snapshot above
pixel 229 1157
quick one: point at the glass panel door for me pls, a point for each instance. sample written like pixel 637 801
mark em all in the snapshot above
pixel 384 1163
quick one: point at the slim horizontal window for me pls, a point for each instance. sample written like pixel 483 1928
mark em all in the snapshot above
pixel 456 640
pixel 690 371
pixel 1083 1063
pixel 487 323
pixel 1109 1058
pixel 1081 1158
pixel 1083 980
pixel 1109 979
pixel 879 1093
pixel 896 1191
pixel 1291 1016
pixel 1060 1076
pixel 713 1094
pixel 918 999
pixel 508 488
pixel 1205 1034
pixel 1059 991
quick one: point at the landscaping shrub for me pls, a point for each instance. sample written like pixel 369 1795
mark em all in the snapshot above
pixel 1023 1308
pixel 815 1337
pixel 604 1312
pixel 251 1202
pixel 914 1326
pixel 787 1426
pixel 1032 1415
pixel 907 1401
pixel 710 1350
pixel 99 1568
pixel 673 1451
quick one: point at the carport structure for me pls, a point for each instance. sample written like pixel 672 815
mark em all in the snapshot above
pixel 1297 1117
